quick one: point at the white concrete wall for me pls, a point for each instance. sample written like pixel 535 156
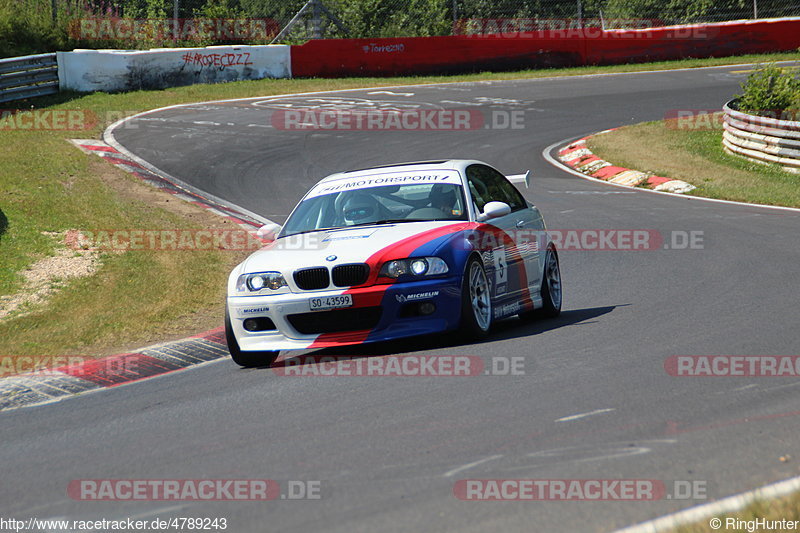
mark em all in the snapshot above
pixel 124 70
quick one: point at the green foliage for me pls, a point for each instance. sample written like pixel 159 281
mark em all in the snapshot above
pixel 377 18
pixel 679 11
pixel 769 89
pixel 213 9
pixel 28 26
pixel 686 11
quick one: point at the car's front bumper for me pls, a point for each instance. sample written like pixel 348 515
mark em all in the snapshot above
pixel 391 312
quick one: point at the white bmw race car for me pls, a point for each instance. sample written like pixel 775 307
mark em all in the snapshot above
pixel 390 252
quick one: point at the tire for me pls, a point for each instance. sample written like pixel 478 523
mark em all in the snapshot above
pixel 551 289
pixel 245 359
pixel 476 301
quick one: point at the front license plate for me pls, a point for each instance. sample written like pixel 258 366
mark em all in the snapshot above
pixel 331 302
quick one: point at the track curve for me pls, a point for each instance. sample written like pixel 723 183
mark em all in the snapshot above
pixel 388 451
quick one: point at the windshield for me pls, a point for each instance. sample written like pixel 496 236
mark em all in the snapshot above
pixel 378 205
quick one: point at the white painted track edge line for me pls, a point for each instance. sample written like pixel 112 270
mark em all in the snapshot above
pixel 462 468
pixel 580 416
pixel 707 510
pixel 546 153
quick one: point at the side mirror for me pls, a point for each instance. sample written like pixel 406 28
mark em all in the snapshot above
pixel 494 210
pixel 268 232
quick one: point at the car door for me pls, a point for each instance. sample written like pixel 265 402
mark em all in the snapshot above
pixel 515 256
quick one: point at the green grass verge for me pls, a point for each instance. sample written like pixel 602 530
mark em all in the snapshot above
pixel 697 156
pixel 48 185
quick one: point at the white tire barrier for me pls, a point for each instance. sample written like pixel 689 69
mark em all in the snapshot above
pixel 762 139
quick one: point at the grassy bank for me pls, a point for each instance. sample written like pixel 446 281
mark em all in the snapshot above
pixel 694 153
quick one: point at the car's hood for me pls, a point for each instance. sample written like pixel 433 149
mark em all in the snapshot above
pixel 335 247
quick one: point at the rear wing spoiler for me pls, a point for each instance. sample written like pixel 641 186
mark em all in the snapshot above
pixel 521 178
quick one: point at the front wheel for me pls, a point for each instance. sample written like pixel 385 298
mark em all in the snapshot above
pixel 476 301
pixel 245 359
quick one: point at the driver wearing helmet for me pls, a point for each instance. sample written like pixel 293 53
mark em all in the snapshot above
pixel 359 208
pixel 443 198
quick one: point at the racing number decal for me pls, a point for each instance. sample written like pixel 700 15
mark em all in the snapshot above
pixel 500 265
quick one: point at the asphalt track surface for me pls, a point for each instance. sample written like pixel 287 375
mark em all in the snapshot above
pixel 387 451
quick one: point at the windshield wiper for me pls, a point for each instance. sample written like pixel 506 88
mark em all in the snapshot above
pixel 376 223
pixel 311 231
pixel 388 221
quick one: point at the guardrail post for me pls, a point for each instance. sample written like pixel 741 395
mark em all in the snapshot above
pixel 28 76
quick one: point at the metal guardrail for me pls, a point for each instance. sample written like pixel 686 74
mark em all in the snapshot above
pixel 762 139
pixel 28 76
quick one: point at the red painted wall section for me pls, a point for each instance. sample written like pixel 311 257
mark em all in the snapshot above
pixel 434 55
pixel 431 55
pixel 701 40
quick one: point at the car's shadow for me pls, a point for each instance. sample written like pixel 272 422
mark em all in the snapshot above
pixel 506 329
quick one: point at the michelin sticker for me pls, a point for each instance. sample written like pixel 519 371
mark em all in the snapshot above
pixel 253 311
pixel 419 296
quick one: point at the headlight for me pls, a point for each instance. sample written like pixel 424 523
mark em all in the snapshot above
pixel 417 267
pixel 259 281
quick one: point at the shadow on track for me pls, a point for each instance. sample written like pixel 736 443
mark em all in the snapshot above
pixel 505 329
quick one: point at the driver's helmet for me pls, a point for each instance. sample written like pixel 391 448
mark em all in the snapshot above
pixel 359 208
pixel 443 197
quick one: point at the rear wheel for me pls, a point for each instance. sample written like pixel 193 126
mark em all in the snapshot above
pixel 245 359
pixel 550 291
pixel 476 301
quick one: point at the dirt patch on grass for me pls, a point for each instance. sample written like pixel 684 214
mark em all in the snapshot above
pixel 46 276
pixel 127 299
